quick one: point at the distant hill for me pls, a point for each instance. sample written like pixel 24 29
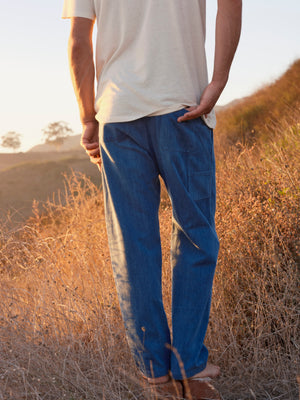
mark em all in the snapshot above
pixel 38 179
pixel 71 143
pixel 255 116
pixel 9 160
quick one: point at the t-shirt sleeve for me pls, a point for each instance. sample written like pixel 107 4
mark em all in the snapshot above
pixel 79 8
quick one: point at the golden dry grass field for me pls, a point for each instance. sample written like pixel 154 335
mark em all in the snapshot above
pixel 61 334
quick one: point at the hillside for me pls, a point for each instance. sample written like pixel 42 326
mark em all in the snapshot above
pixel 71 143
pixel 9 160
pixel 257 116
pixel 38 179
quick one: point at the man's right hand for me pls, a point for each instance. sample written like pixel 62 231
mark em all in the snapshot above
pixel 90 141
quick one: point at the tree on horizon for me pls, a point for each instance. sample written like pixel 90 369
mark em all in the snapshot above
pixel 56 133
pixel 11 140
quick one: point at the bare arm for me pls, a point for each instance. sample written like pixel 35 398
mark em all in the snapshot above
pixel 80 49
pixel 228 29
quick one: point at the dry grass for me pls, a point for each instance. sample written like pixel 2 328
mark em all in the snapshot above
pixel 61 335
pixel 249 119
pixel 255 317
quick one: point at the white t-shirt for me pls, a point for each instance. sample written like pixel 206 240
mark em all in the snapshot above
pixel 150 55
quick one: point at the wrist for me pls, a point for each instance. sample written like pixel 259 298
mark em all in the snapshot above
pixel 89 121
pixel 87 114
pixel 219 81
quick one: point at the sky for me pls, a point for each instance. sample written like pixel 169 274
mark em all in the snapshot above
pixel 35 87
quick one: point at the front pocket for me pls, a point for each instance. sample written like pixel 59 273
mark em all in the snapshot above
pixel 199 185
pixel 188 136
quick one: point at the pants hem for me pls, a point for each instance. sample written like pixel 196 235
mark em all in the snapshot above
pixel 190 373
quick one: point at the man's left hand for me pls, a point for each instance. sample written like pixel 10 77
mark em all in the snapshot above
pixel 207 102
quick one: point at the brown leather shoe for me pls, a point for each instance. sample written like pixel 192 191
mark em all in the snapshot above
pixel 172 390
pixel 200 389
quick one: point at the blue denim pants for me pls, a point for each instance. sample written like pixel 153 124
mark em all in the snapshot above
pixel 134 154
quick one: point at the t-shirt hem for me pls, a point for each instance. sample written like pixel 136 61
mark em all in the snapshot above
pixel 210 121
pixel 132 117
pixel 80 15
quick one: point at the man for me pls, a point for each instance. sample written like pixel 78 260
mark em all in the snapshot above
pixel 153 115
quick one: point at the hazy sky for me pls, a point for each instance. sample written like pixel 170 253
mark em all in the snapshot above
pixel 35 88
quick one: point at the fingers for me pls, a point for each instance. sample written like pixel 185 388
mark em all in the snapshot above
pixel 97 161
pixel 208 100
pixel 89 146
pixel 195 113
pixel 90 142
pixel 93 153
pixel 92 150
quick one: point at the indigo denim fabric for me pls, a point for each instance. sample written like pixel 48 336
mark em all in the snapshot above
pixel 134 154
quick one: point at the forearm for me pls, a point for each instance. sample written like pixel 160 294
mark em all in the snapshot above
pixel 228 29
pixel 80 50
